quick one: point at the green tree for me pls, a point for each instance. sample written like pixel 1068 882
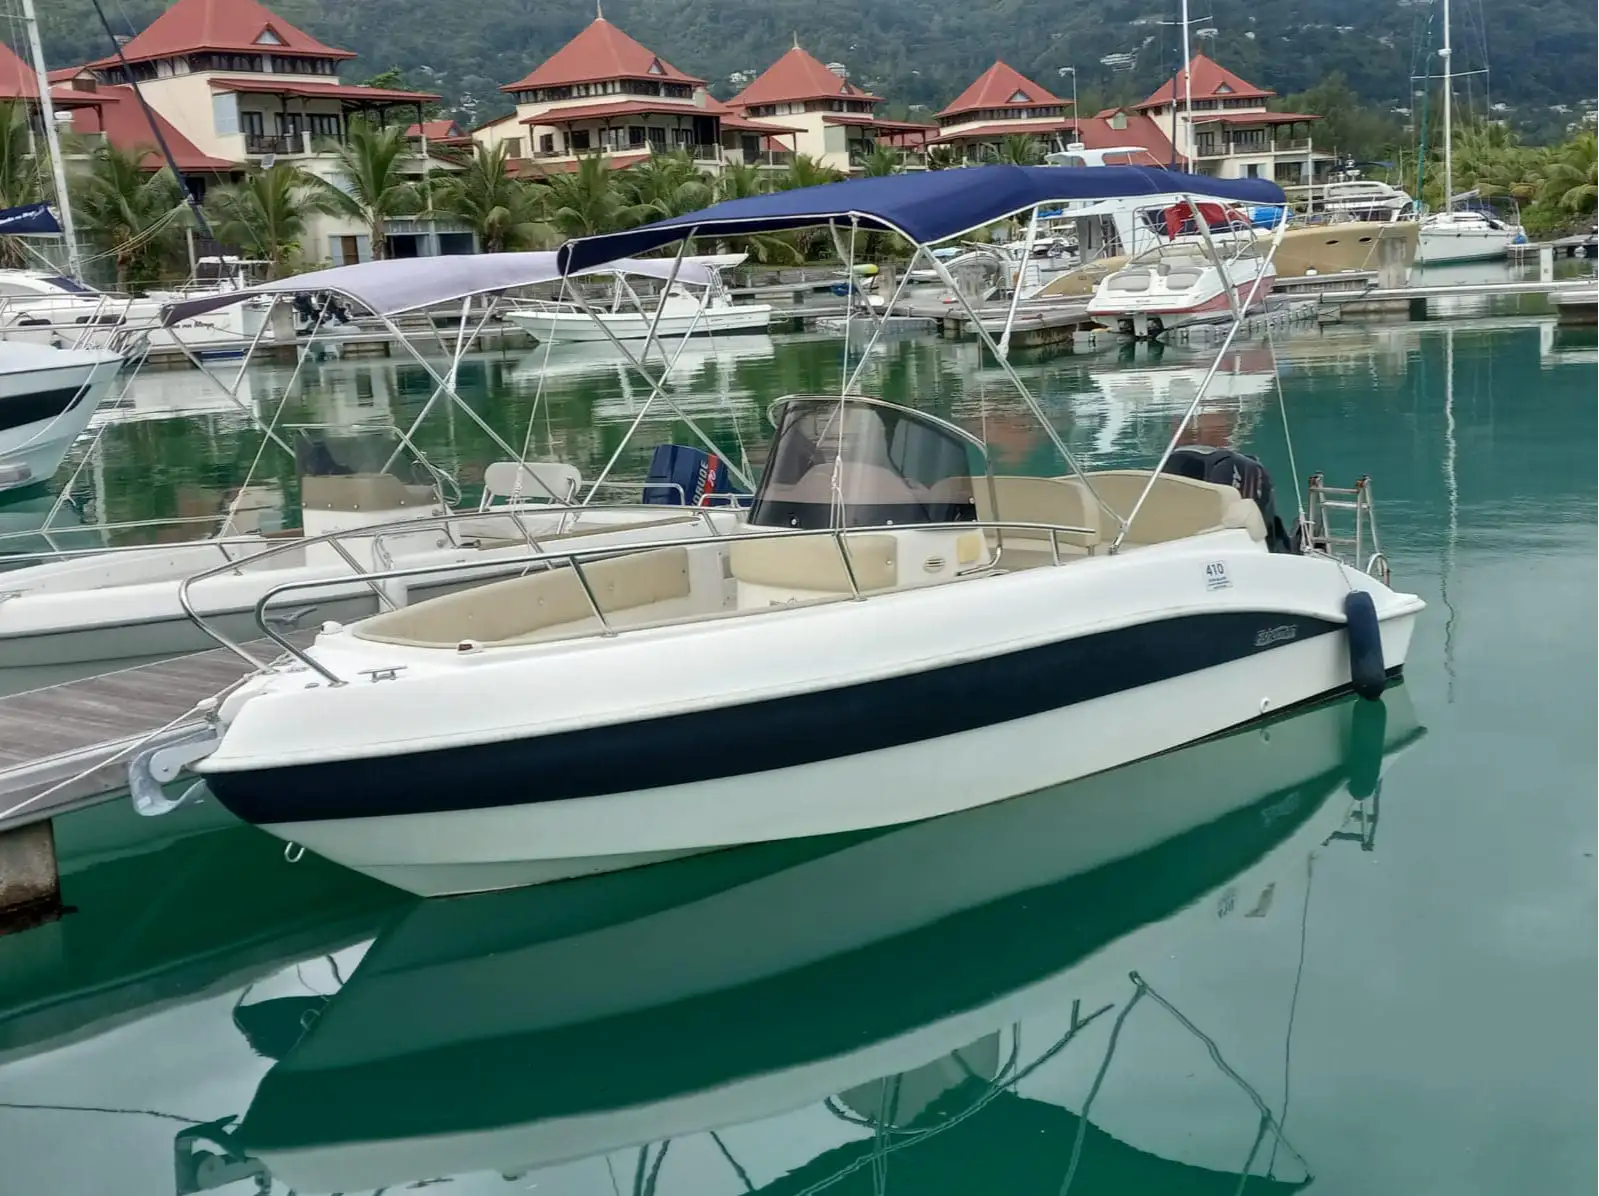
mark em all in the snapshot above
pixel 942 157
pixel 1020 150
pixel 806 171
pixel 1570 174
pixel 504 212
pixel 374 186
pixel 1346 125
pixel 20 182
pixel 591 200
pixel 742 180
pixel 265 214
pixel 669 184
pixel 133 216
pixel 883 160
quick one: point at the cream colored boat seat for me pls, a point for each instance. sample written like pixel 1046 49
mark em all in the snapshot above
pixel 1176 506
pixel 1060 501
pixel 1180 278
pixel 543 605
pixel 1133 279
pixel 811 566
pixel 533 481
pixel 363 492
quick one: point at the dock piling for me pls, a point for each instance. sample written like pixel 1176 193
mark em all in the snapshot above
pixel 30 885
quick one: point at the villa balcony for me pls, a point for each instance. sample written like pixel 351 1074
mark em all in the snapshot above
pixel 279 145
pixel 1254 149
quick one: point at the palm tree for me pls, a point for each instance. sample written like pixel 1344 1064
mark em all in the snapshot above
pixel 265 214
pixel 19 171
pixel 668 183
pixel 134 216
pixel 1020 150
pixel 590 200
pixel 374 187
pixel 1569 177
pixel 503 211
pixel 883 160
pixel 740 180
pixel 806 171
pixel 942 157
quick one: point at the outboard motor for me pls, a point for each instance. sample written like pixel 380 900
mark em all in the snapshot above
pixel 684 476
pixel 1229 467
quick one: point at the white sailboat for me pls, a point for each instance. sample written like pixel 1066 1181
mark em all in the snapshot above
pixel 1460 235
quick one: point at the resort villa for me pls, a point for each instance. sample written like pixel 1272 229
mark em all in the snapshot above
pixel 604 93
pixel 234 85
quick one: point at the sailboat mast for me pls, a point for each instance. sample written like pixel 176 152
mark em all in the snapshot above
pixel 1188 95
pixel 52 137
pixel 1449 147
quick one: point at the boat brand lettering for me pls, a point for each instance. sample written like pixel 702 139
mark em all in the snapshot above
pixel 1267 636
pixel 1216 576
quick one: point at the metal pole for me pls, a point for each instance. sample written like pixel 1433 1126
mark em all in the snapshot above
pixel 1021 275
pixel 52 137
pixel 1188 96
pixel 1447 54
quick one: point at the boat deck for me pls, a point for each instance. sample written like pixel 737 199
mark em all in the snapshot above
pixel 50 735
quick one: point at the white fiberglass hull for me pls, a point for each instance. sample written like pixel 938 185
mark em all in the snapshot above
pixel 851 910
pixel 1441 244
pixel 690 320
pixel 1157 308
pixel 799 722
pixel 47 398
pixel 82 324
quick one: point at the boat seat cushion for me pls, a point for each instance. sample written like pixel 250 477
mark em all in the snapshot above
pixel 1129 280
pixel 1060 501
pixel 1176 506
pixel 536 481
pixel 813 563
pixel 522 609
pixel 363 492
pixel 1180 278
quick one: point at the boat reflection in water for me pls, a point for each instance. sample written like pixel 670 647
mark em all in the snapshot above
pixel 957 1003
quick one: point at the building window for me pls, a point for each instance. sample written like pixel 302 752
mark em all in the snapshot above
pixel 546 144
pixel 1252 171
pixel 657 137
pixel 578 139
pixel 251 124
pixel 636 135
pixel 326 125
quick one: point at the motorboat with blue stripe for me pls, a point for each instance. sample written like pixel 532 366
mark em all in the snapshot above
pixel 888 972
pixel 47 397
pixel 893 632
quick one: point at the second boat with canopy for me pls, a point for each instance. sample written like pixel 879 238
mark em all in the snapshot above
pixel 896 631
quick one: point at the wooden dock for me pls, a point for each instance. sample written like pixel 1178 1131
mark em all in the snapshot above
pixel 50 735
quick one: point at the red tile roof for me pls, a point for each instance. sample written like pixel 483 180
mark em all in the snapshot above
pixel 238 26
pixel 601 51
pixel 1099 133
pixel 1209 81
pixel 799 76
pixel 117 114
pixel 1001 87
pixel 1002 128
pixel 435 130
pixel 565 115
pixel 19 81
pixel 531 168
pixel 286 86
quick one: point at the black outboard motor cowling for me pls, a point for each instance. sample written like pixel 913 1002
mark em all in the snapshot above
pixel 1245 474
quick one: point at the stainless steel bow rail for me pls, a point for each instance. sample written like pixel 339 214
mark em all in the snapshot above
pixel 574 558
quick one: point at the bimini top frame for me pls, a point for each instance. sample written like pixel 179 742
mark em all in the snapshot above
pixel 926 208
pixel 392 288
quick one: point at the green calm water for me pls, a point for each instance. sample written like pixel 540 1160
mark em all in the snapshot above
pixel 1354 950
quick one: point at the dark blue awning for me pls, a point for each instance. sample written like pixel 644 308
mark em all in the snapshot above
pixel 30 220
pixel 926 206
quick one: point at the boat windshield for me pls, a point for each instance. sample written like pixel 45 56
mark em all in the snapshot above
pixel 860 463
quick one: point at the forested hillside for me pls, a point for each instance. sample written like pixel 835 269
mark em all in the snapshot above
pixel 920 53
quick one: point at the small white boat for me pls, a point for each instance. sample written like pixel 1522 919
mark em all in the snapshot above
pixel 51 309
pixel 690 306
pixel 1465 235
pixel 47 397
pixel 1180 283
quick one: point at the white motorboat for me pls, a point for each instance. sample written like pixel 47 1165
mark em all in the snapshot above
pixel 689 306
pixel 1465 235
pixel 777 975
pixel 365 507
pixel 1182 282
pixel 893 621
pixel 50 309
pixel 47 397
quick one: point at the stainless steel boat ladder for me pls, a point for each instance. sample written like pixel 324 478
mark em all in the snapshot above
pixel 1325 525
